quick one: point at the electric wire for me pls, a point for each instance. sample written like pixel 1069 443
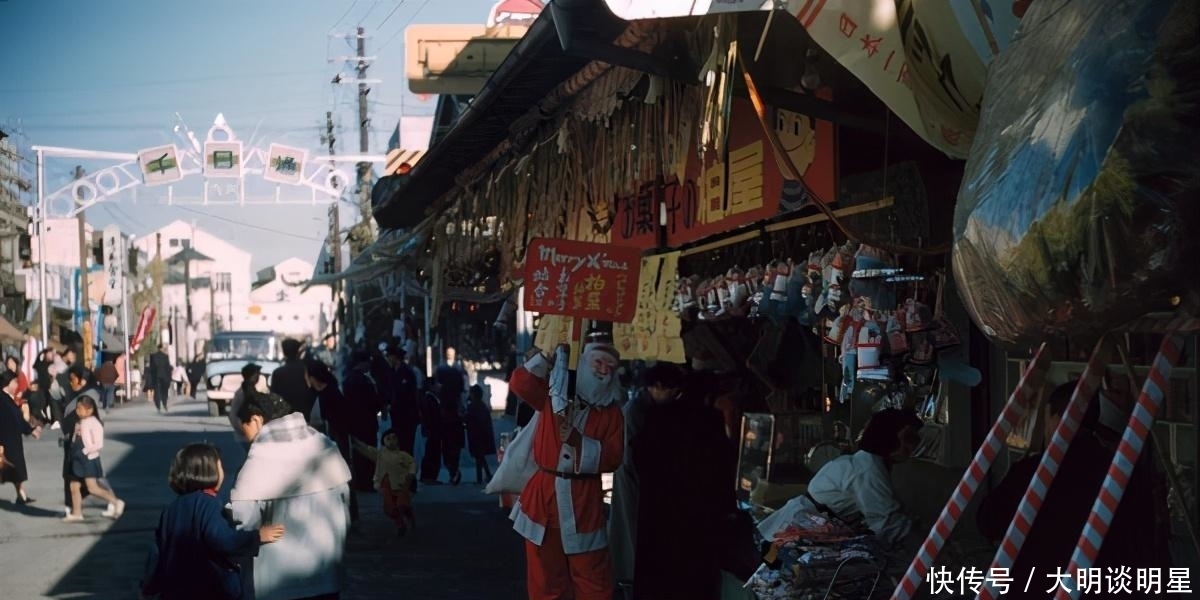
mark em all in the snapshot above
pixel 341 18
pixel 404 26
pixel 379 27
pixel 369 11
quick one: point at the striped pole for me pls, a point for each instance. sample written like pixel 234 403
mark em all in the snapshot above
pixel 1121 469
pixel 1039 486
pixel 1016 407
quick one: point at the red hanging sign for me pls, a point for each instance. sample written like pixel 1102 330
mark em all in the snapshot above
pixel 145 322
pixel 582 279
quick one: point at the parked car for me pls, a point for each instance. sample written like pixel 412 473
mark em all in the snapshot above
pixel 224 358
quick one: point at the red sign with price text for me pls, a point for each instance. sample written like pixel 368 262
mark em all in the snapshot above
pixel 582 279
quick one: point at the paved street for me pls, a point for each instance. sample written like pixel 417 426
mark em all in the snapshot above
pixel 463 547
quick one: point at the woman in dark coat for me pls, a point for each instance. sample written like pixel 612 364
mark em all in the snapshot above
pixel 12 427
pixel 481 437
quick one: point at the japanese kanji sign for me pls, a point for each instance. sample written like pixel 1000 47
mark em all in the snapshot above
pixel 581 279
pixel 160 165
pixel 114 265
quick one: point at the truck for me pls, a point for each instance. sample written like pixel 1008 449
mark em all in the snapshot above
pixel 224 357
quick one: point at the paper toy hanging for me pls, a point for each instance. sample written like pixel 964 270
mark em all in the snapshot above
pixel 160 165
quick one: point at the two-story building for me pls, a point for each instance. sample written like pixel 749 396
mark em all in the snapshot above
pixel 280 302
pixel 207 287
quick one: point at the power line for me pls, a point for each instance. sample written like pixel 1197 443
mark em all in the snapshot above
pixel 379 27
pixel 121 86
pixel 339 21
pixel 248 225
pixel 403 27
pixel 369 11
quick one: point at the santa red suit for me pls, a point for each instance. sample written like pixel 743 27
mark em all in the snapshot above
pixel 561 510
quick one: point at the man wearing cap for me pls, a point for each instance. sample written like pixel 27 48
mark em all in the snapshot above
pixel 561 509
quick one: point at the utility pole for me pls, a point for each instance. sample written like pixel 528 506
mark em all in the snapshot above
pixel 334 238
pixel 158 285
pixel 84 302
pixel 366 233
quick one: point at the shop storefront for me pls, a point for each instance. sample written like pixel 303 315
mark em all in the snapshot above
pixel 793 236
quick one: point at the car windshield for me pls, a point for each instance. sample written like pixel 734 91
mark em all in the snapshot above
pixel 242 346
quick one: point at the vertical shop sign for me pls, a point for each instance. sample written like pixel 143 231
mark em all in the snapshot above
pixel 654 333
pixel 114 265
pixel 581 279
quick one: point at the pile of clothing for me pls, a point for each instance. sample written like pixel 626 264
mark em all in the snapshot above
pixel 814 553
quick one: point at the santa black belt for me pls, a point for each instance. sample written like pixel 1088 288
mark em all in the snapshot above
pixel 571 475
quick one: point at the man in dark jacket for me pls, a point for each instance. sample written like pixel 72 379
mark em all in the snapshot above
pixel 403 399
pixel 41 369
pixel 452 395
pixel 160 377
pixel 685 466
pixel 288 380
pixel 363 403
pixel 431 430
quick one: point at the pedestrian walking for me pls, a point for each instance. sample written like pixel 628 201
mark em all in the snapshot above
pixel 288 380
pixel 86 468
pixel 296 477
pixel 402 403
pixel 179 380
pixel 362 406
pixel 49 408
pixel 160 377
pixel 431 429
pixel 13 426
pixel 107 376
pixel 481 436
pixel 395 470
pixel 192 531
pixel 335 414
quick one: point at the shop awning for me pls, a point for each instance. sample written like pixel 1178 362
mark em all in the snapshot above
pixel 533 69
pixel 928 64
pixel 393 250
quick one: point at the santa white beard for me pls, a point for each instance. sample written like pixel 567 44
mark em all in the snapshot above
pixel 594 389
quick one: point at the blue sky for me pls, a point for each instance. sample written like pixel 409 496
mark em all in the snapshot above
pixel 110 75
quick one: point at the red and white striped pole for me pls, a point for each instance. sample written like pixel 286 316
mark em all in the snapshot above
pixel 1018 404
pixel 1121 469
pixel 1039 486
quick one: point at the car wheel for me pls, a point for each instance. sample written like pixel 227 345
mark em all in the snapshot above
pixel 214 408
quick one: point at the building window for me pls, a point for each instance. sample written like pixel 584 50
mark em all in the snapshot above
pixel 173 242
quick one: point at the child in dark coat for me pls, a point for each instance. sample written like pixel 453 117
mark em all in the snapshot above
pixel 481 438
pixel 196 544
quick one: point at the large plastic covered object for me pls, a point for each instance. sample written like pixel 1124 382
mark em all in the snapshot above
pixel 1078 209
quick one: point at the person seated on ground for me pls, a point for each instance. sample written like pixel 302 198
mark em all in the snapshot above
pixel 1055 531
pixel 858 487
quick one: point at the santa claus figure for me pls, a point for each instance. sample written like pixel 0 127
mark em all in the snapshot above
pixel 561 510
